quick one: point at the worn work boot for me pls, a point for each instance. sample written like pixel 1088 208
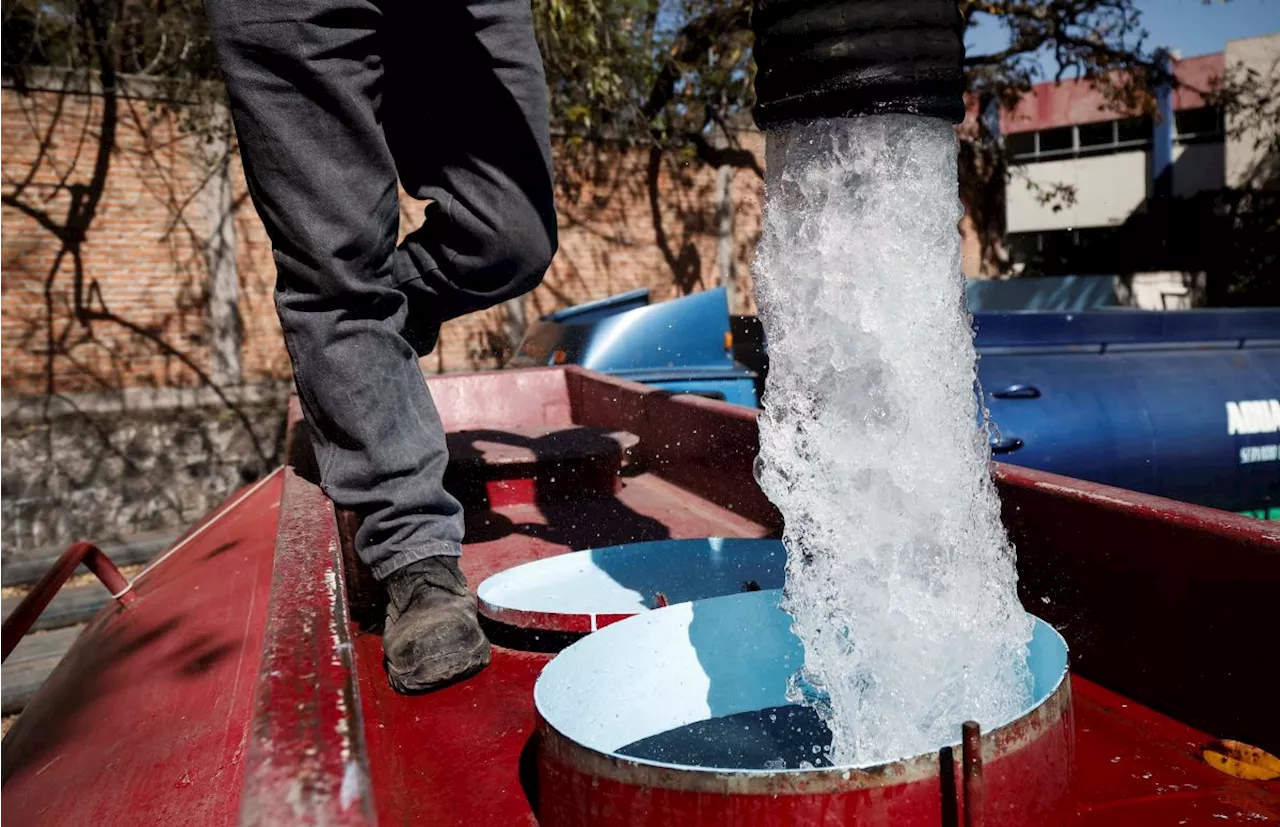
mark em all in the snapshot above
pixel 432 637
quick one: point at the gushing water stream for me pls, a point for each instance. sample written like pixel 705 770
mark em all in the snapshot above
pixel 900 576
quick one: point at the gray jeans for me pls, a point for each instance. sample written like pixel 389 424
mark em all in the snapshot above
pixel 333 102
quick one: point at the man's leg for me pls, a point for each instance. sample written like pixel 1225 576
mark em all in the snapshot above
pixel 465 114
pixel 305 79
pixel 467 123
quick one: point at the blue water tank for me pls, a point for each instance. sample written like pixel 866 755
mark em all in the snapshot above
pixel 1140 400
pixel 1178 404
pixel 684 346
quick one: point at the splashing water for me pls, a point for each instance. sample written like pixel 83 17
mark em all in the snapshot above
pixel 900 577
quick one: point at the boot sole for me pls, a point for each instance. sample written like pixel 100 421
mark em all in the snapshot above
pixel 452 668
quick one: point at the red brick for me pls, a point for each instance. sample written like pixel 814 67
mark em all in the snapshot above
pixel 149 272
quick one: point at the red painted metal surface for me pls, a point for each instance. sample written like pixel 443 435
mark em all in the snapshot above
pixel 703 447
pixel 532 398
pixel 19 622
pixel 483 726
pixel 1024 767
pixel 1135 766
pixel 306 759
pixel 563 622
pixel 152 718
pixel 145 721
pixel 646 507
pixel 1160 600
pixel 464 784
pixel 491 468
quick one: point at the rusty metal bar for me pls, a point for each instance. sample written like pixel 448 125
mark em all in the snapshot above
pixel 19 623
pixel 971 758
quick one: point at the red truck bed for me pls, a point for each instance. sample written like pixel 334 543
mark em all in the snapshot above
pixel 244 685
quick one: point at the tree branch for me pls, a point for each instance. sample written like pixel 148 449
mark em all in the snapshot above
pixel 732 156
pixel 695 39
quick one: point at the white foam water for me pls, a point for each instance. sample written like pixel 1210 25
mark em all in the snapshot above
pixel 900 576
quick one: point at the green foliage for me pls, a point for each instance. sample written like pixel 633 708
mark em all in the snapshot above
pixel 645 71
pixel 1101 39
pixel 666 72
pixel 598 56
pixel 674 76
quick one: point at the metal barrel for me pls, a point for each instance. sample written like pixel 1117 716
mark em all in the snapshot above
pixel 663 669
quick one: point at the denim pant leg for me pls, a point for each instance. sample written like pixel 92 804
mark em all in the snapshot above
pixel 467 123
pixel 305 80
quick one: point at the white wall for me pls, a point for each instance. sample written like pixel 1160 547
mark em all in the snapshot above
pixel 1246 164
pixel 1108 189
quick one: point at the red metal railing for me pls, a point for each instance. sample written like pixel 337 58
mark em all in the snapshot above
pixel 19 623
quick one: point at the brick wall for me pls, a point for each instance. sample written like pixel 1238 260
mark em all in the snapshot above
pixel 612 240
pixel 106 284
pixel 124 303
pixel 113 297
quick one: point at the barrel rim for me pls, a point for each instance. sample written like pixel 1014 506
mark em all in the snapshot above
pixel 997 745
pixel 578 621
pixel 1005 738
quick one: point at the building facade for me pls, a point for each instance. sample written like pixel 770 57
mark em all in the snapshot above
pixel 1096 189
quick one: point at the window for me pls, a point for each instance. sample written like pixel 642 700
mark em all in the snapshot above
pixel 1095 240
pixel 1080 251
pixel 1023 246
pixel 1020 145
pixel 1060 140
pixel 1075 141
pixel 1097 134
pixel 1045 252
pixel 1198 125
pixel 1133 130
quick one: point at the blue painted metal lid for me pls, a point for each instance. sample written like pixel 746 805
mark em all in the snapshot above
pixel 585 590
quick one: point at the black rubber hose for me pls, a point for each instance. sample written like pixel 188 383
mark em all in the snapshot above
pixel 842 58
